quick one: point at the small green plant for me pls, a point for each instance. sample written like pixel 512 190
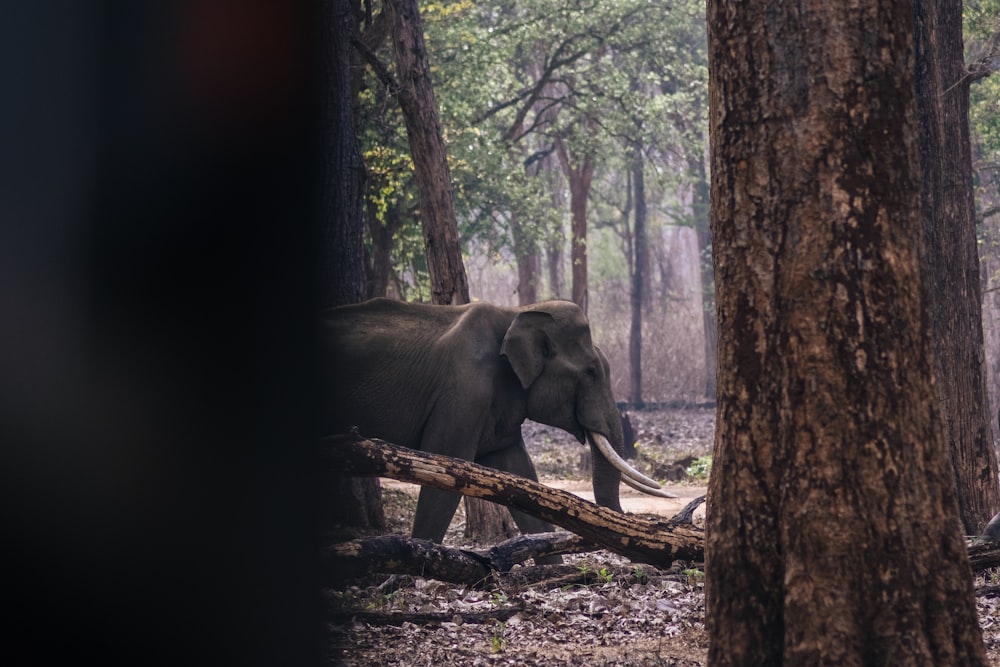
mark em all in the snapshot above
pixel 639 574
pixel 496 641
pixel 382 601
pixel 700 468
pixel 605 575
pixel 498 598
pixel 694 575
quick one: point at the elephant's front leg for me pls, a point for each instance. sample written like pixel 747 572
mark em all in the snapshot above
pixel 435 509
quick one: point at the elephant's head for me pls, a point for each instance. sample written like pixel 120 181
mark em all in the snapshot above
pixel 567 382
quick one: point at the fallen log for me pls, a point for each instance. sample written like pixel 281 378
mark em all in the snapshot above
pixel 639 539
pixel 396 554
pixel 984 555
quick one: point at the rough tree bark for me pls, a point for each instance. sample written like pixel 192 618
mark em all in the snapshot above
pixel 828 432
pixel 347 502
pixel 449 284
pixel 951 257
pixel 342 272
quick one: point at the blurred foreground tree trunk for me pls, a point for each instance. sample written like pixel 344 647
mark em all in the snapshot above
pixel 348 501
pixel 828 431
pixel 449 284
pixel 951 257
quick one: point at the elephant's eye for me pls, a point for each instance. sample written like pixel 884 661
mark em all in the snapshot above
pixel 592 372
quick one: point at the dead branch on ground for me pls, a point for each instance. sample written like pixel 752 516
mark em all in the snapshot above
pixel 640 539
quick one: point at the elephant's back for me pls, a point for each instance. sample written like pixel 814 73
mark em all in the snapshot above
pixel 380 322
pixel 379 374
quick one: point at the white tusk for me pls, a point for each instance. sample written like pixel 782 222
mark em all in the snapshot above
pixel 614 459
pixel 647 489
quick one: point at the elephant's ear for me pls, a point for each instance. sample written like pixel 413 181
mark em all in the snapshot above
pixel 526 345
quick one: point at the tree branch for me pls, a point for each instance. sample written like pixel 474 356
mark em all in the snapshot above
pixel 640 539
pixel 381 70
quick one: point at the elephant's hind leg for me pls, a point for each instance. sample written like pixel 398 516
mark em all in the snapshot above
pixel 435 509
pixel 515 459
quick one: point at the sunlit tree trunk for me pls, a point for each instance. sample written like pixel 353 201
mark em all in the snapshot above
pixel 951 257
pixel 833 532
pixel 449 284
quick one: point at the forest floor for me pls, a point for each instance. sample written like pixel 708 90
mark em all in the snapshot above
pixel 620 613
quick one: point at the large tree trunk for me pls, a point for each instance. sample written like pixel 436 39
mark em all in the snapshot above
pixel 659 542
pixel 951 257
pixel 354 502
pixel 449 284
pixel 342 272
pixel 828 432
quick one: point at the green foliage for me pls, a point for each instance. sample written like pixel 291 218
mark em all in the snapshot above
pixel 514 79
pixel 982 27
pixel 694 575
pixel 497 640
pixel 700 468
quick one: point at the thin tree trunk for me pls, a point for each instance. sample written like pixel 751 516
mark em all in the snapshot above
pixel 379 260
pixel 700 207
pixel 579 190
pixel 557 238
pixel 529 265
pixel 828 433
pixel 579 177
pixel 449 284
pixel 639 276
pixel 658 542
pixel 951 257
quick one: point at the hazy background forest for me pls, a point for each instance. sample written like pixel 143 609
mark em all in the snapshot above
pixel 558 115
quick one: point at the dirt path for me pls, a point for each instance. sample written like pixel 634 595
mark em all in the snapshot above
pixel 632 501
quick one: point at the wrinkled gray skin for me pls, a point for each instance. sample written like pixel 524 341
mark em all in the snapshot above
pixel 460 380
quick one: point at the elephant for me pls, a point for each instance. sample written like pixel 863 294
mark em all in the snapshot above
pixel 460 381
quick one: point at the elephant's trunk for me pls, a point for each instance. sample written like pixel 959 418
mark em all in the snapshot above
pixel 630 475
